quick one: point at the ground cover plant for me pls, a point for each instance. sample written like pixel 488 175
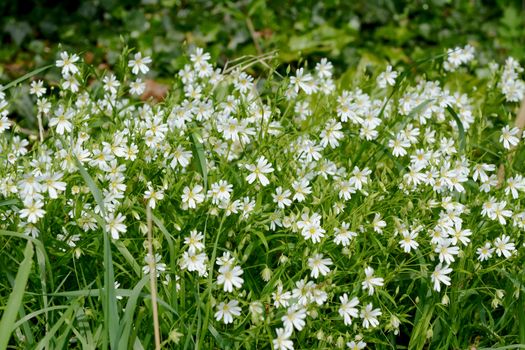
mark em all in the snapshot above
pixel 305 210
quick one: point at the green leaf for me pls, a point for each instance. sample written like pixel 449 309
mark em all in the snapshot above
pixel 460 129
pixel 127 320
pixel 15 298
pixel 198 153
pixel 25 77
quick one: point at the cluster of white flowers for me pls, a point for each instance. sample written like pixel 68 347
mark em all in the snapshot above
pixel 252 179
pixel 458 56
pixel 510 83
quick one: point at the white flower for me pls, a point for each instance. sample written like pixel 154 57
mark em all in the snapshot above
pixel 303 81
pixel 318 265
pixel 282 198
pixel 282 341
pixel 369 316
pixel 51 184
pixel 33 210
pixel 192 197
pixel 440 276
pixel 504 246
pixel 370 281
pixel 258 171
pixel 152 196
pixel 226 311
pixel 509 137
pixel 399 145
pixel 137 87
pixel 409 240
pixel 343 235
pixel 485 252
pixel 280 299
pixel 194 241
pixel 139 63
pixel 356 345
pixel 230 277
pixel 331 134
pixel 348 309
pixel 67 63
pixel 181 156
pixel 314 232
pixel 458 234
pixel 114 225
pixel 111 83
pixel 378 224
pixel 324 68
pixel 446 250
pixel 500 213
pixel 388 77
pixel 359 177
pixel 480 171
pixel 301 188
pixel 192 261
pixel 294 318
pixel 37 88
pixel 62 121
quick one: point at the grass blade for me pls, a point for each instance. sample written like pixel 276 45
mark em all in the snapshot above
pixel 26 76
pixel 198 151
pixel 127 319
pixel 15 298
pixel 460 129
pixel 111 316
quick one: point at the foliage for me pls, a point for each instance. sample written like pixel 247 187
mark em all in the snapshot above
pixel 312 208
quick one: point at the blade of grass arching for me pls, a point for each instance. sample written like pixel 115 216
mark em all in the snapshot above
pixel 15 298
pixel 61 339
pixel 95 191
pixel 25 77
pixel 127 319
pixel 50 335
pixel 111 317
pixel 169 239
pixel 37 313
pixel 83 341
pixel 128 256
pixel 198 152
pixel 461 130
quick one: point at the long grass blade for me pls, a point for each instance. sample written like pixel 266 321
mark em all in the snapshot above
pixel 15 298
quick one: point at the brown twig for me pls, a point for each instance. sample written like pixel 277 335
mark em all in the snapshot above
pixel 253 34
pixel 153 278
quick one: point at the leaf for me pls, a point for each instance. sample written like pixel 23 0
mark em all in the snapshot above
pixel 460 129
pixel 127 319
pixel 95 191
pixel 25 76
pixel 198 153
pixel 111 316
pixel 15 298
pixel 9 202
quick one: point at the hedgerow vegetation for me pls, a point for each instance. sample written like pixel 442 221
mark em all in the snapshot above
pixel 306 178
